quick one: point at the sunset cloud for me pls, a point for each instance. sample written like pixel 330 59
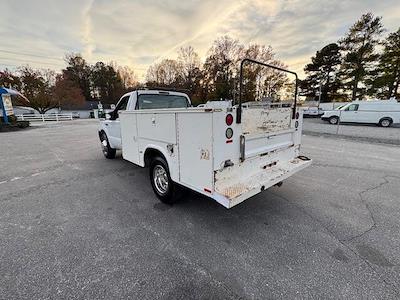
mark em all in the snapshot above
pixel 138 33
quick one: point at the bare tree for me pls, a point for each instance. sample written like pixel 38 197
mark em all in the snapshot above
pixel 221 67
pixel 189 62
pixel 165 73
pixel 127 75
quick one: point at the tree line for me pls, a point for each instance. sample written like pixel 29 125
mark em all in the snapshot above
pixel 216 78
pixel 361 64
pixel 75 84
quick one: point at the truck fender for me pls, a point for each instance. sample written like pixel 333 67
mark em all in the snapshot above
pixel 164 153
pixel 389 116
pixel 101 130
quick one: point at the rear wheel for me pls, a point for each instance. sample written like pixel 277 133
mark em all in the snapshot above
pixel 105 147
pixel 161 181
pixel 334 120
pixel 385 122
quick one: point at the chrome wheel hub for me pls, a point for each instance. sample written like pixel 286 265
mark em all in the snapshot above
pixel 160 179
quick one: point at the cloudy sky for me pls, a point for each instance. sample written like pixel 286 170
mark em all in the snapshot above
pixel 139 32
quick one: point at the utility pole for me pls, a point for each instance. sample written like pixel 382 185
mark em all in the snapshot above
pixel 319 94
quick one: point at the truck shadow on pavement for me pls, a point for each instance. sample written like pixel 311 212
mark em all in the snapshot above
pixel 262 209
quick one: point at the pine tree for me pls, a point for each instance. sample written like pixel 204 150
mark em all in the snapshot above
pixel 78 71
pixel 321 72
pixel 387 82
pixel 360 58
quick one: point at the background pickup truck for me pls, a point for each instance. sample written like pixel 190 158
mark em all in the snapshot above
pixel 219 150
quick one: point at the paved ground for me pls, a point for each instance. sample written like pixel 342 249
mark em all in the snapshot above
pixel 361 132
pixel 75 225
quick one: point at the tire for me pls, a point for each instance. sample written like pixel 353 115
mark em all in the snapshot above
pixel 106 148
pixel 333 120
pixel 161 182
pixel 385 122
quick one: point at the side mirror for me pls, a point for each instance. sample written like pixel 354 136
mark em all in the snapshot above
pixel 108 116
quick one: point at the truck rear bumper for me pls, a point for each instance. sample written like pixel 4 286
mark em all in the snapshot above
pixel 234 194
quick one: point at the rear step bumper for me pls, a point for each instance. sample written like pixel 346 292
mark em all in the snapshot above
pixel 232 195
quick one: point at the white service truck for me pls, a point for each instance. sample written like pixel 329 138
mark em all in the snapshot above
pixel 220 150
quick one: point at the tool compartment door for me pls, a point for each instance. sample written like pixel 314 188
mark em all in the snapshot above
pixel 195 150
pixel 157 126
pixel 130 150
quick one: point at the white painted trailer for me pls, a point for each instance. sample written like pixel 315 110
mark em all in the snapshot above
pixel 222 151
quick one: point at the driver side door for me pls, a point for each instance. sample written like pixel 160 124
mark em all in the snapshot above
pixel 114 125
pixel 350 114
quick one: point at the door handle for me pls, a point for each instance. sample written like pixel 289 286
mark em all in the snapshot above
pixel 242 143
pixel 153 121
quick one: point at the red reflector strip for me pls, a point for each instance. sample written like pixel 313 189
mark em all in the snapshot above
pixel 229 141
pixel 207 190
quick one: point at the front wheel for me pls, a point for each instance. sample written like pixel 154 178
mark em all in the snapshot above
pixel 334 120
pixel 106 148
pixel 161 181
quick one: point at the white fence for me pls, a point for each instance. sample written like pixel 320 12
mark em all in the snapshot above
pixel 44 118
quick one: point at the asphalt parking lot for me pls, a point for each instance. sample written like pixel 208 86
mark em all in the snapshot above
pixel 75 225
pixel 359 132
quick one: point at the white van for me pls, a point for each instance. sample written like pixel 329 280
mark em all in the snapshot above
pixel 380 112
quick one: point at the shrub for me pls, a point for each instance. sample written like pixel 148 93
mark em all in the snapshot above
pixel 22 124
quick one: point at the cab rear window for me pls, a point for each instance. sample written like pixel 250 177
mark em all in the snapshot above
pixel 156 101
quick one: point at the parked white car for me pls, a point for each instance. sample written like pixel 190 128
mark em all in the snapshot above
pixel 312 111
pixel 380 112
pixel 222 151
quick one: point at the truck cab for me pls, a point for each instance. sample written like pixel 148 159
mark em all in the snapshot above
pixel 138 100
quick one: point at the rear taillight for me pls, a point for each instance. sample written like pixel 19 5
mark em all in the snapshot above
pixel 229 119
